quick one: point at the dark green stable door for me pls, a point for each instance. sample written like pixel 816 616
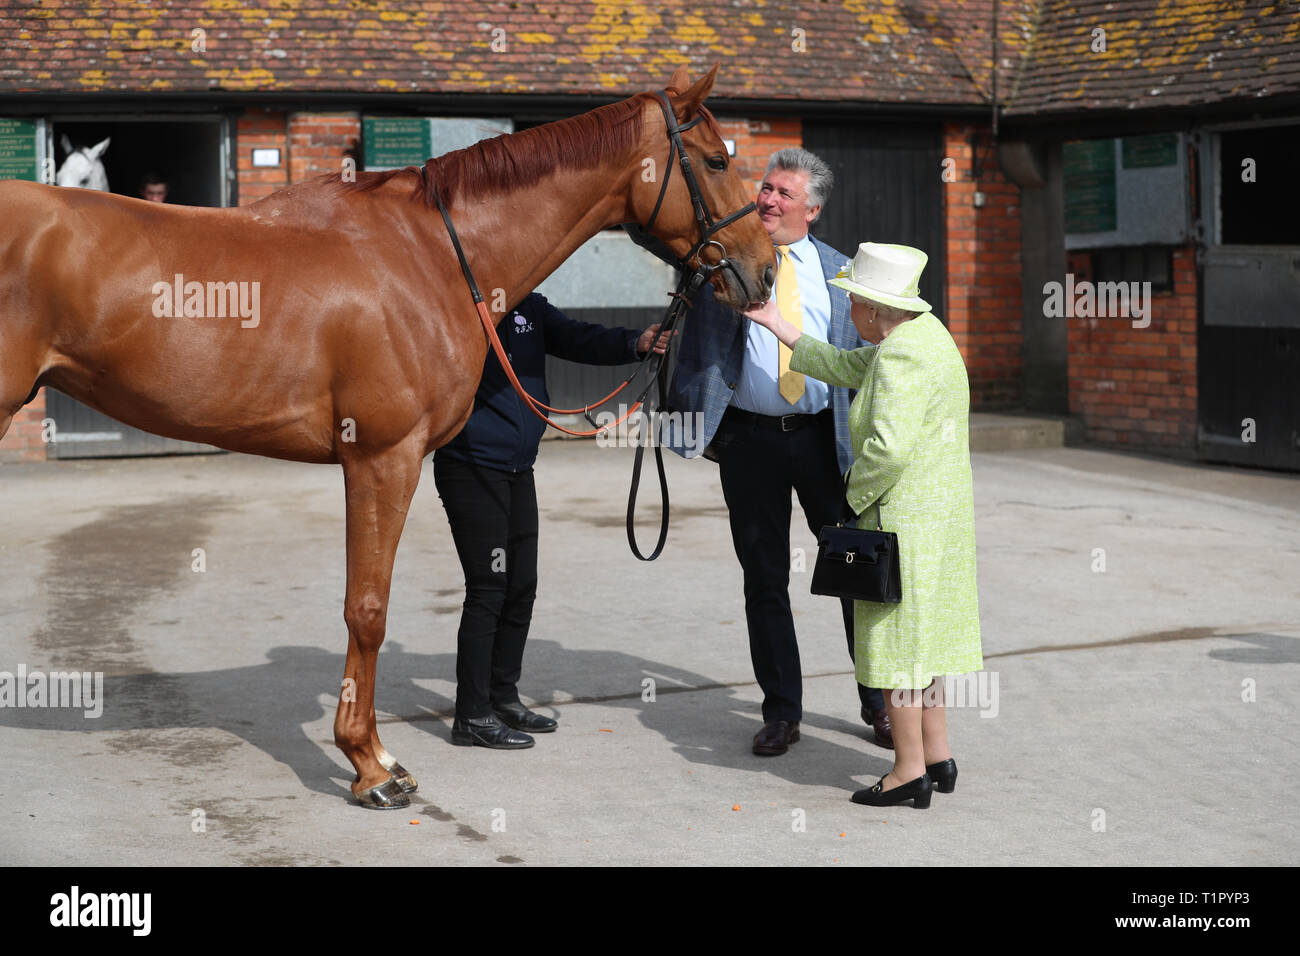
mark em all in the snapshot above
pixel 888 188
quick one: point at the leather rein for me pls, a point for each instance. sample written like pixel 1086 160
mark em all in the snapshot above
pixel 693 278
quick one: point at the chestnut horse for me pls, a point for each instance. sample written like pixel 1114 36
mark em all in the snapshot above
pixel 330 322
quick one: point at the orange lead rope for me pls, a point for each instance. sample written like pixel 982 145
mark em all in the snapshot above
pixel 681 300
pixel 533 404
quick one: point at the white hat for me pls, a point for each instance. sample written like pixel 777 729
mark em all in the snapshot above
pixel 886 274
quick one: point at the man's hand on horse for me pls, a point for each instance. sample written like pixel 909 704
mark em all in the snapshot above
pixel 649 336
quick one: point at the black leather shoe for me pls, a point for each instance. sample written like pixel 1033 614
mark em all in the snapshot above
pixel 776 737
pixel 487 732
pixel 519 717
pixel 878 720
pixel 918 791
pixel 944 775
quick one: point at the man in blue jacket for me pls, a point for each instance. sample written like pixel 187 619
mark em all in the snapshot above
pixel 772 431
pixel 485 478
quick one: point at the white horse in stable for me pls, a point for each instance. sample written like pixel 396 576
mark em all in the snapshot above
pixel 83 167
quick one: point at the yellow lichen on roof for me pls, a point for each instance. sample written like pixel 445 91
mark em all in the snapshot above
pixel 242 79
pixel 534 38
pixel 1123 38
pixel 880 17
pixel 695 29
pixel 615 29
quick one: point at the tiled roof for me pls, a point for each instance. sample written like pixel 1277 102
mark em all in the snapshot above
pixel 878 51
pixel 1159 53
pixel 891 52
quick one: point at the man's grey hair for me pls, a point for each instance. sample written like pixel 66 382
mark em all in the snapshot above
pixel 820 177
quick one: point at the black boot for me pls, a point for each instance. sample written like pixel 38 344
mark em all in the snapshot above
pixel 487 732
pixel 519 717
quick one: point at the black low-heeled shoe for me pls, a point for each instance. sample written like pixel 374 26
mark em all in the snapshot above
pixel 918 791
pixel 487 732
pixel 944 775
pixel 519 717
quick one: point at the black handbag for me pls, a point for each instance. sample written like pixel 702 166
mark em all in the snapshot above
pixel 857 563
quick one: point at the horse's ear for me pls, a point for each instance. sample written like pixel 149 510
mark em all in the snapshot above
pixel 688 104
pixel 66 144
pixel 680 81
pixel 100 148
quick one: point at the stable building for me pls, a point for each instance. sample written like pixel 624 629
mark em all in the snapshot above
pixel 1073 162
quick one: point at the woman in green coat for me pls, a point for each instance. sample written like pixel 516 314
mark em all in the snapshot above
pixel 909 425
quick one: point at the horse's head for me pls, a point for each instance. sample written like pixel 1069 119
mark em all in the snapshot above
pixel 82 167
pixel 664 206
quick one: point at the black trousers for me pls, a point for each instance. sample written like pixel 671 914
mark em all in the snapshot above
pixel 759 467
pixel 493 516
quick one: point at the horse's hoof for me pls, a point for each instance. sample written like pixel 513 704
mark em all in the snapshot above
pixel 387 796
pixel 404 779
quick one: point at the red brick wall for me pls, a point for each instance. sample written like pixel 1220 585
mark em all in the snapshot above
pixel 984 288
pixel 757 140
pixel 310 144
pixel 23 440
pixel 258 129
pixel 319 141
pixel 1136 387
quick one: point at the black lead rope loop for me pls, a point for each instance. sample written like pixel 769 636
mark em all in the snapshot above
pixel 688 286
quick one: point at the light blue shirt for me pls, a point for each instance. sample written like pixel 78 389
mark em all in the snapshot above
pixel 758 390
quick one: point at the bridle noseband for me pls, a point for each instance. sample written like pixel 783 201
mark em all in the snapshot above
pixel 703 217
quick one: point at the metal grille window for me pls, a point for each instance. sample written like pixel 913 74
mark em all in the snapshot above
pixel 1135 264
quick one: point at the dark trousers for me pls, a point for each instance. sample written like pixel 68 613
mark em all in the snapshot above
pixel 759 467
pixel 493 516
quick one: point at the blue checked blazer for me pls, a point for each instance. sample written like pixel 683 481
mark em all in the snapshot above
pixel 711 349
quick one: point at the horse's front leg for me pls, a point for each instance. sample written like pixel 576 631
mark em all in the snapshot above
pixel 404 777
pixel 379 487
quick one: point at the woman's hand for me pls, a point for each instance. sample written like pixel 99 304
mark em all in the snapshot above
pixel 648 337
pixel 769 317
pixel 765 314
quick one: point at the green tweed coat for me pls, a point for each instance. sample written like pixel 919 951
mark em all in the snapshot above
pixel 909 424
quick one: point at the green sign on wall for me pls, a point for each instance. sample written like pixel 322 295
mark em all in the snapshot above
pixel 1090 185
pixel 1158 149
pixel 18 155
pixel 396 141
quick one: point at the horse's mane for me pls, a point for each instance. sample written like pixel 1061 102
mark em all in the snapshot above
pixel 521 159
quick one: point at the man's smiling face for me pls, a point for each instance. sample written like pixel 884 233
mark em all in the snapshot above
pixel 783 205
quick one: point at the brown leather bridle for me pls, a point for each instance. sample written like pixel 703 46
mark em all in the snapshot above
pixel 694 276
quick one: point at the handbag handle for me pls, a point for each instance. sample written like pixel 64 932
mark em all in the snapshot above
pixel 847 513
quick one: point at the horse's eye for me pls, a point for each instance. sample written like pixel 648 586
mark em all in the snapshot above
pixel 717 162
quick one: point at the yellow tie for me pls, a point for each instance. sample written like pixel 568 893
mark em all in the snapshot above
pixel 790 383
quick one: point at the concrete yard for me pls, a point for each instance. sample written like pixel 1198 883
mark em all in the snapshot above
pixel 1140 714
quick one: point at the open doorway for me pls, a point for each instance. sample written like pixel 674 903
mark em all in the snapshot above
pixel 191 156
pixel 188 154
